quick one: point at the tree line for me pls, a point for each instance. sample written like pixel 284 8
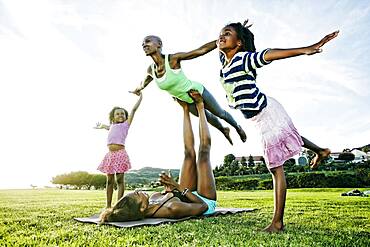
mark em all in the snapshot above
pixel 233 166
pixel 146 176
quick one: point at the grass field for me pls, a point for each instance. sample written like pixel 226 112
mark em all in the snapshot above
pixel 314 217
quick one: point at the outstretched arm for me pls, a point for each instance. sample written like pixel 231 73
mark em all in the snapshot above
pixel 101 126
pixel 132 113
pixel 148 78
pixel 195 53
pixel 275 54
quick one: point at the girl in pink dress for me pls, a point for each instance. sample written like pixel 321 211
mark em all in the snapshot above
pixel 116 161
pixel 280 139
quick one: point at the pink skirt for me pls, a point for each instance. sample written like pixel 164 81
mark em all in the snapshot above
pixel 279 137
pixel 115 162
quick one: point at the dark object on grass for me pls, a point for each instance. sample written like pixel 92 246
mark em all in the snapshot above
pixel 354 193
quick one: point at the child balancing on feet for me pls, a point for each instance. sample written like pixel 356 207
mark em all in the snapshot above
pixel 280 139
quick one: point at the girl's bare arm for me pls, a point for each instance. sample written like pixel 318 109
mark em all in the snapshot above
pixel 275 54
pixel 147 79
pixel 195 53
pixel 136 106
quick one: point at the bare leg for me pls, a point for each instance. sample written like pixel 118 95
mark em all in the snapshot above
pixel 109 188
pixel 280 188
pixel 321 153
pixel 206 182
pixel 212 105
pixel 120 184
pixel 214 121
pixel 188 175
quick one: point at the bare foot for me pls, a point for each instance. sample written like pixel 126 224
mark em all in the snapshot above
pixel 241 133
pixel 274 228
pixel 196 96
pixel 226 133
pixel 319 157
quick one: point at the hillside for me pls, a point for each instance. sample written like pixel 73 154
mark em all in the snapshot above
pixel 146 175
pixel 365 148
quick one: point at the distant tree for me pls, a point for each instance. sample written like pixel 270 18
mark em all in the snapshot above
pixel 260 168
pixel 299 168
pixel 61 179
pixel 250 161
pixel 216 171
pixel 263 160
pixel 243 161
pixel 240 171
pixel 234 167
pixel 289 165
pixel 228 159
pixel 246 170
pixel 77 179
pixel 98 181
pixel 222 173
pixel 226 171
pixel 364 165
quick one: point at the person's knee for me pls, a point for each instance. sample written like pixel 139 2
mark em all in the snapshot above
pixel 203 154
pixel 189 153
pixel 205 146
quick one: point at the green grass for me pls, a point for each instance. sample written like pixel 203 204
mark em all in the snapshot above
pixel 313 217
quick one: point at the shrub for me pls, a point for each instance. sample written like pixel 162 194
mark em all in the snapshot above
pixel 225 183
pixel 265 184
pixel 359 178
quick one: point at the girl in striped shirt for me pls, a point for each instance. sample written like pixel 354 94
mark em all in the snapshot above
pixel 280 138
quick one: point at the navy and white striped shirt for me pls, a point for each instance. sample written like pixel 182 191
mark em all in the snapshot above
pixel 239 83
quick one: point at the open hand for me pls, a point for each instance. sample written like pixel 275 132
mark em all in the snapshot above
pixel 168 182
pixel 316 48
pixel 98 126
pixel 196 96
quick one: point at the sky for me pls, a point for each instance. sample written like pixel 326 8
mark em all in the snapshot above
pixel 64 64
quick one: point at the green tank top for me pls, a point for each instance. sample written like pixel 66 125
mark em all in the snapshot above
pixel 176 83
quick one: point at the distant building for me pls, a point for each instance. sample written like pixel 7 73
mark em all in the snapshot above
pixel 335 155
pixel 302 158
pixel 360 156
pixel 256 159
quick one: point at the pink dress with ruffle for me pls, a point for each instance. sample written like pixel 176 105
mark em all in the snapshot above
pixel 280 139
pixel 116 161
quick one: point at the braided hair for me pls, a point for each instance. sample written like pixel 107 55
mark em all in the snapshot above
pixel 246 37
